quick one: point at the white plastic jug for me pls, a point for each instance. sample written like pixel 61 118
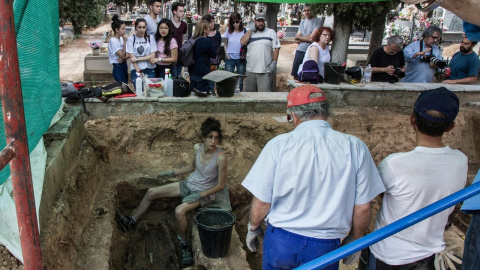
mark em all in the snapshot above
pixel 139 86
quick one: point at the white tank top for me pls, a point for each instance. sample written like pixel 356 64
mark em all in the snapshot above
pixel 205 176
pixel 323 56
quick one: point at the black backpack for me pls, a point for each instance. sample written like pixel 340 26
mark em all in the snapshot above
pixel 185 54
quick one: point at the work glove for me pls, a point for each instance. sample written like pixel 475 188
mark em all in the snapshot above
pixel 443 260
pixel 252 240
pixel 166 174
pixel 272 69
pixel 192 198
pixel 353 258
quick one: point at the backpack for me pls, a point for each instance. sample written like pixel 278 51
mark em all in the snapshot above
pixel 185 54
pixel 243 49
pixel 310 72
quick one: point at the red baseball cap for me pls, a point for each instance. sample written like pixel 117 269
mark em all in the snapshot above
pixel 301 95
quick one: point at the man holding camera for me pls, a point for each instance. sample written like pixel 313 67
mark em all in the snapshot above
pixel 465 64
pixel 422 56
pixel 388 63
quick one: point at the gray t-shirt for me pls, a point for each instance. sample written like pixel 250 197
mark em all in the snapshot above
pixel 151 25
pixel 306 27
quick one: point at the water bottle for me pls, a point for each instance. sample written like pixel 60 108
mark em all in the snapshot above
pixel 367 76
pixel 139 85
pixel 169 84
pixel 237 86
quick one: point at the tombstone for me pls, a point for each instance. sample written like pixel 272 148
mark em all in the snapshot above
pixel 456 24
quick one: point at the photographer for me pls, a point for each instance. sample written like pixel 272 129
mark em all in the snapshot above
pixel 388 63
pixel 465 64
pixel 418 56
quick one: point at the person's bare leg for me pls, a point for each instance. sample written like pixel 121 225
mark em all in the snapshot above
pixel 166 191
pixel 180 213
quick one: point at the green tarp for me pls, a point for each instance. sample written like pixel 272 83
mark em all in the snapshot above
pixel 37 28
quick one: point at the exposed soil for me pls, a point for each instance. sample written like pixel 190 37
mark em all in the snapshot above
pixel 126 153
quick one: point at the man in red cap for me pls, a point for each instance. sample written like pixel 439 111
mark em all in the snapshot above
pixel 313 186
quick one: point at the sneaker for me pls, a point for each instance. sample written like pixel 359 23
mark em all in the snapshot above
pixel 187 258
pixel 126 223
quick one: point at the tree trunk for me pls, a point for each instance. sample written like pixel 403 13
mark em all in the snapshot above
pixel 202 7
pixel 376 39
pixel 272 11
pixel 342 30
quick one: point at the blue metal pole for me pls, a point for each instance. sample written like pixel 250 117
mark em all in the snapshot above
pixel 393 228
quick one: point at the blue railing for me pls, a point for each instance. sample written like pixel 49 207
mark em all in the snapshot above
pixel 393 228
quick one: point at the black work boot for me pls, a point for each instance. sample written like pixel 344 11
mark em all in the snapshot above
pixel 127 223
pixel 187 258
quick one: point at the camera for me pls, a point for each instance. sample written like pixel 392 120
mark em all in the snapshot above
pixel 399 73
pixel 432 59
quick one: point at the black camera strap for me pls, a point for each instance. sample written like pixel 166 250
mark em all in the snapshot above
pixel 421 49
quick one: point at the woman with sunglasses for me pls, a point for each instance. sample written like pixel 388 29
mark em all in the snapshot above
pixel 167 48
pixel 233 34
pixel 141 48
pixel 318 51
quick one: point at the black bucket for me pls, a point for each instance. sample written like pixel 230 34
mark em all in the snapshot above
pixel 215 231
pixel 333 72
pixel 226 88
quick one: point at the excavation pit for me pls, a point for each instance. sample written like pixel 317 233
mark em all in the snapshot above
pixel 121 156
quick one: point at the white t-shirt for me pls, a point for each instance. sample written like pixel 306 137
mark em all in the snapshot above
pixel 313 177
pixel 233 48
pixel 260 50
pixel 141 48
pixel 114 45
pixel 323 56
pixel 151 24
pixel 414 180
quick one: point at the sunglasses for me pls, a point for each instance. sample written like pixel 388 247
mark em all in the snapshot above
pixel 237 21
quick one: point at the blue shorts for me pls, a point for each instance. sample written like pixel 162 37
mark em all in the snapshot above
pixel 286 250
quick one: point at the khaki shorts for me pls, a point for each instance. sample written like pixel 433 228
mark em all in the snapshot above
pixel 185 191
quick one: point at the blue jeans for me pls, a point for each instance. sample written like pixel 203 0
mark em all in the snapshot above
pixel 297 61
pixel 241 65
pixel 286 250
pixel 160 71
pixel 176 71
pixel 150 72
pixel 198 83
pixel 471 253
pixel 120 72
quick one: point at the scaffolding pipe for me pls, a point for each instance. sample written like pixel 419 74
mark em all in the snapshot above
pixel 392 228
pixel 15 133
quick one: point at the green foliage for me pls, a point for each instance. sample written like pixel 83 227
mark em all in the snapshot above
pixel 365 14
pixel 82 13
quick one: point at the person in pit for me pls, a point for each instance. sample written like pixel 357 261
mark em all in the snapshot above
pixel 416 179
pixel 208 168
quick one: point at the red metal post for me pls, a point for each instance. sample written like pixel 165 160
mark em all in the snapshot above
pixel 7 154
pixel 15 130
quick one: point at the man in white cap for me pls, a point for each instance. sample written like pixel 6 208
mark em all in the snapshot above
pixel 262 54
pixel 312 185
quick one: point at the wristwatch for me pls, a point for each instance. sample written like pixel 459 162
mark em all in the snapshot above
pixel 430 6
